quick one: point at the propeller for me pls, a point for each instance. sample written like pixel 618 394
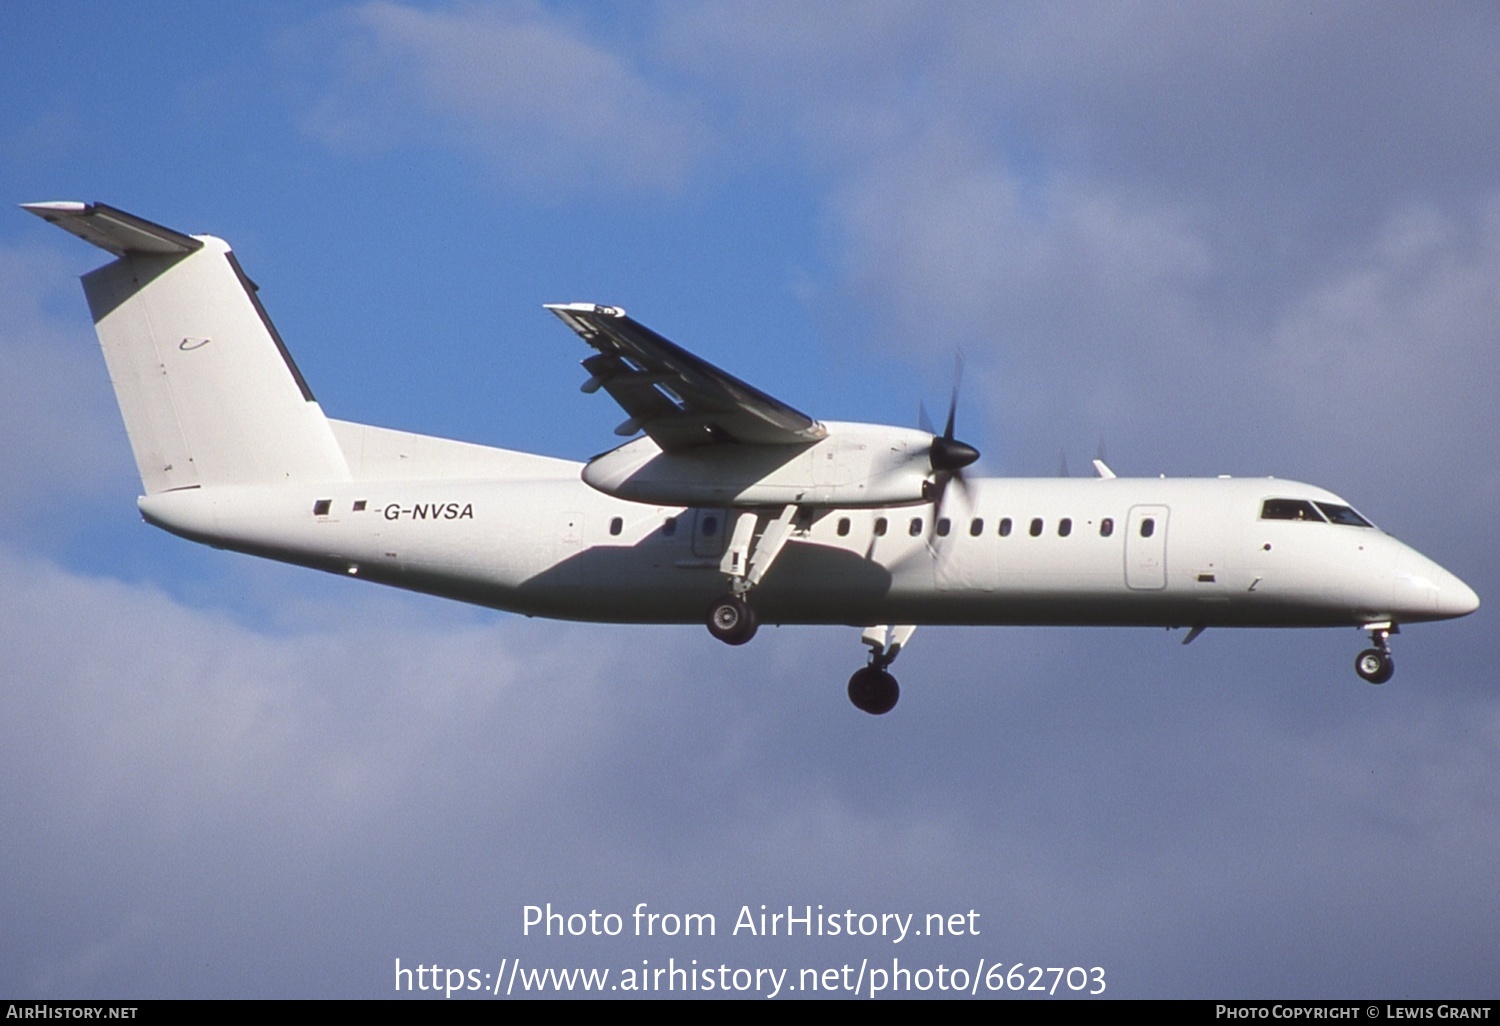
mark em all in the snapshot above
pixel 948 456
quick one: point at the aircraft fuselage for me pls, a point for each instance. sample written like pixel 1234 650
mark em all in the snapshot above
pixel 1123 551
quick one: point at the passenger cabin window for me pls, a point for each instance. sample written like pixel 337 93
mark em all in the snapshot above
pixel 1036 527
pixel 1106 527
pixel 1005 527
pixel 1064 527
pixel 669 527
pixel 1289 509
pixel 1343 515
pixel 880 526
pixel 976 527
pixel 321 507
pixel 843 526
pixel 616 525
pixel 916 526
pixel 710 525
pixel 1148 527
pixel 944 525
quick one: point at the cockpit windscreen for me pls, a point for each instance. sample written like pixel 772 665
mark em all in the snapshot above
pixel 1342 515
pixel 1289 509
pixel 1319 512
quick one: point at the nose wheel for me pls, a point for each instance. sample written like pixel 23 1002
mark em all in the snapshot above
pixel 1375 664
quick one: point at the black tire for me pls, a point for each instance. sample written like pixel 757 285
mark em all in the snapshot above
pixel 1375 666
pixel 732 621
pixel 873 691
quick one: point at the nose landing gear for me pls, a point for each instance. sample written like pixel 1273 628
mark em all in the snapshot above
pixel 1375 664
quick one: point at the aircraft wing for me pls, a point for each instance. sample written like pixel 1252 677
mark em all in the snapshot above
pixel 675 397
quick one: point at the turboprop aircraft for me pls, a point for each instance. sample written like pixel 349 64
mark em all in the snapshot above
pixel 731 508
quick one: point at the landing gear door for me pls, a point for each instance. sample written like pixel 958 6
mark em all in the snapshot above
pixel 1146 548
pixel 708 532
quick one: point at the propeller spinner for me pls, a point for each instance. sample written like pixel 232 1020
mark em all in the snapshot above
pixel 950 455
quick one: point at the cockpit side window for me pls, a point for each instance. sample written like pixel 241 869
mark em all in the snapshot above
pixel 1343 515
pixel 1290 509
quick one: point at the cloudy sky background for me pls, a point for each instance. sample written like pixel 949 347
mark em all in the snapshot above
pixel 1251 239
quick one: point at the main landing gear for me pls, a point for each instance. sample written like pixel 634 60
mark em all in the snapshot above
pixel 732 619
pixel 1375 664
pixel 873 689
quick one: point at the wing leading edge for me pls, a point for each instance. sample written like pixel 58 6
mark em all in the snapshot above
pixel 678 399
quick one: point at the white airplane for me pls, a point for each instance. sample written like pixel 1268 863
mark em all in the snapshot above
pixel 732 507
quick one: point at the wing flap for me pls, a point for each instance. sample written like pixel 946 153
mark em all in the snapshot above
pixel 679 399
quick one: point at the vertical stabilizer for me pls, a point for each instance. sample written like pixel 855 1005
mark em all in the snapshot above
pixel 208 392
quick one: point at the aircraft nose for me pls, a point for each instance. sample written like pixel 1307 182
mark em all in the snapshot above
pixel 1423 590
pixel 1455 598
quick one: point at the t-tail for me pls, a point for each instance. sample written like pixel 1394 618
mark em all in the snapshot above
pixel 207 390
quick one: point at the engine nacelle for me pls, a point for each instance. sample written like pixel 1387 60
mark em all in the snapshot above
pixel 856 465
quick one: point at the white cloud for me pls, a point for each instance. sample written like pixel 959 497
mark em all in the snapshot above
pixel 1390 346
pixel 189 797
pixel 56 412
pixel 1392 354
pixel 1134 220
pixel 529 91
pixel 222 766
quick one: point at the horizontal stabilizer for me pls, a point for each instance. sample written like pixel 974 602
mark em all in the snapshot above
pixel 113 230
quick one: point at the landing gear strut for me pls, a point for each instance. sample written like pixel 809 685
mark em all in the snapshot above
pixel 872 689
pixel 731 619
pixel 1375 664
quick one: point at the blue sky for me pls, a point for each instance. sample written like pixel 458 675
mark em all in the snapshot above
pixel 1251 239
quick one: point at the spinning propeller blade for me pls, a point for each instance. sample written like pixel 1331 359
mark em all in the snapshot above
pixel 948 456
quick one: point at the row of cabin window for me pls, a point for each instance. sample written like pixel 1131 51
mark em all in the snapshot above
pixel 944 526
